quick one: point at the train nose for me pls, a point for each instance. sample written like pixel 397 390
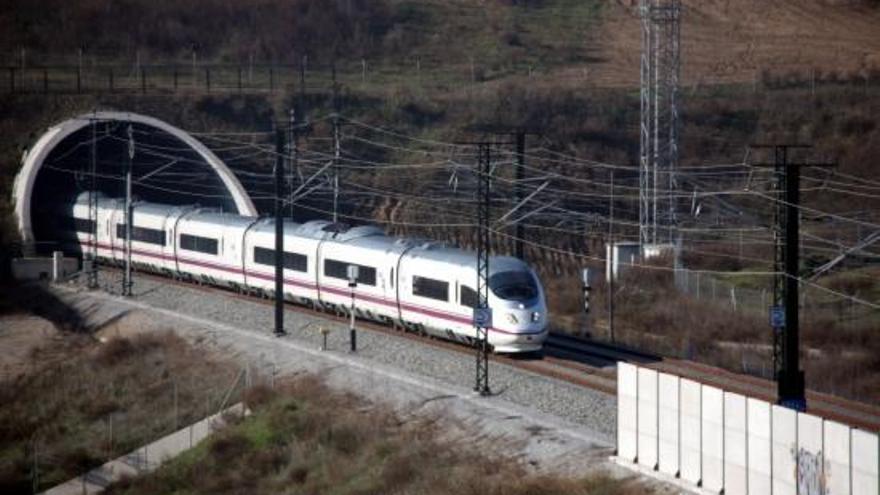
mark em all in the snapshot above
pixel 523 318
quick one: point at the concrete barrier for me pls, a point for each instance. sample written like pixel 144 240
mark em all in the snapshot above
pixel 759 435
pixel 735 452
pixel 836 438
pixel 865 461
pixel 691 405
pixel 712 444
pixel 784 450
pixel 810 465
pixel 668 418
pixel 647 418
pixel 627 411
pixel 711 441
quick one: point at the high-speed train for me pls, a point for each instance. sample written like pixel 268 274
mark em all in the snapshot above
pixel 423 286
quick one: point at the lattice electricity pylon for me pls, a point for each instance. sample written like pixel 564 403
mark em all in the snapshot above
pixel 92 254
pixel 658 131
pixel 482 314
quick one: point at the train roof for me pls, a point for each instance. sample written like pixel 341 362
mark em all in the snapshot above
pixel 221 218
pixel 433 251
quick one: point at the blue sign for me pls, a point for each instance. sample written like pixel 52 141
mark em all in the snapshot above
pixel 777 316
pixel 483 317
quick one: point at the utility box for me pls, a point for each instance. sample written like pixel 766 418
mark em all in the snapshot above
pixel 620 256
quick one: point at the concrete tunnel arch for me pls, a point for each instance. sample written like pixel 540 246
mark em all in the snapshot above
pixel 32 163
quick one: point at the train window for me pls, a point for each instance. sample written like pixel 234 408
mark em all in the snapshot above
pixel 392 278
pixel 339 269
pixel 71 224
pixel 514 286
pixel 366 275
pixel 430 288
pixel 468 297
pixel 200 244
pixel 291 261
pixel 141 234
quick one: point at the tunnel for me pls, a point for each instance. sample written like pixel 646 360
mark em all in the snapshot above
pixel 91 151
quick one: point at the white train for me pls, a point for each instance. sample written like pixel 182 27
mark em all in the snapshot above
pixel 423 286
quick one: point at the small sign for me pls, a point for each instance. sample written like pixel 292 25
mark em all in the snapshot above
pixel 777 316
pixel 483 317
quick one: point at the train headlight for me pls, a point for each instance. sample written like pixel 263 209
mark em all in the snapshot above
pixel 536 316
pixel 512 319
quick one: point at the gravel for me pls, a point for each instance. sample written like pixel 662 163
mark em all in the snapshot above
pixel 385 365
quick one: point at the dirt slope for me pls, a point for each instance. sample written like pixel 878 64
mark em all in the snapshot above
pixel 737 40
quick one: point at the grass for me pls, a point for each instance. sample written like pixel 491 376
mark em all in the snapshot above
pixel 81 403
pixel 304 438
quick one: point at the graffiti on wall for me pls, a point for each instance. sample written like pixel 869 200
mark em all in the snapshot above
pixel 810 479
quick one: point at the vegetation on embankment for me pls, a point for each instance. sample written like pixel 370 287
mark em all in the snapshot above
pixel 305 438
pixel 72 403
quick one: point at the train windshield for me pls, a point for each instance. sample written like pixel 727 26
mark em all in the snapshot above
pixel 517 286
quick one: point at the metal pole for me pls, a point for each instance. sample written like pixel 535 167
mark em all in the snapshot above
pixel 351 330
pixel 293 142
pixel 79 67
pixel 483 313
pixel 336 153
pixel 791 387
pixel 129 213
pixel 93 210
pixel 175 406
pixel 611 260
pixel 279 232
pixel 520 177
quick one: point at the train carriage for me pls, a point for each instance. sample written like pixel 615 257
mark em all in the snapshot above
pixel 420 285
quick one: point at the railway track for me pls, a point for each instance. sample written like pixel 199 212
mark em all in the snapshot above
pixel 592 364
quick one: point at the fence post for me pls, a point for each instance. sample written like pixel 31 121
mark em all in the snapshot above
pixel 45 80
pixel 111 80
pixel 208 79
pixel 143 80
pixel 12 80
pixel 239 79
pixel 272 79
pixel 175 79
pixel 79 79
pixel 733 297
pixel 698 286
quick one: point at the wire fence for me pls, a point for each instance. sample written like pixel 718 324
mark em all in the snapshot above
pixel 814 303
pixel 706 287
pixel 59 75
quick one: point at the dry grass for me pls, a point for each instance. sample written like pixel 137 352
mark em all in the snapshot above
pixel 304 438
pixel 61 408
pixel 839 356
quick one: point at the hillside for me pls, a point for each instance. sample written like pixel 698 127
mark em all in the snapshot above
pixel 722 40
